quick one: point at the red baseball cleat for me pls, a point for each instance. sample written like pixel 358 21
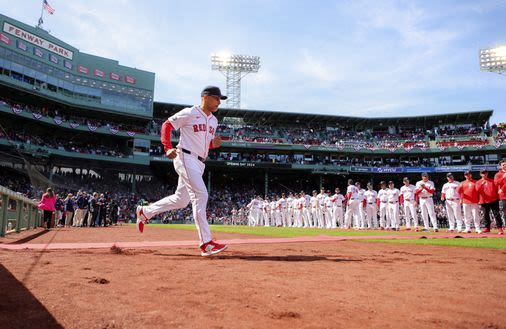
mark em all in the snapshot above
pixel 485 230
pixel 500 230
pixel 141 219
pixel 211 248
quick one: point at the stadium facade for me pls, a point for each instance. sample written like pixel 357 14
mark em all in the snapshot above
pixel 62 108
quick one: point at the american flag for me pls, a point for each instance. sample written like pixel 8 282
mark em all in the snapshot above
pixel 47 7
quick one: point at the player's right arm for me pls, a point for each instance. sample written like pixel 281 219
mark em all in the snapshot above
pixel 173 123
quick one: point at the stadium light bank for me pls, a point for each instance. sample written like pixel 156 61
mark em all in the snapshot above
pixel 493 59
pixel 234 68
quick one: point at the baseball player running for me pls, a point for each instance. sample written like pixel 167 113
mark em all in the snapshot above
pixel 197 127
pixel 450 193
pixel 409 203
pixel 424 190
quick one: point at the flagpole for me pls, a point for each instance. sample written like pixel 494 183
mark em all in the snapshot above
pixel 41 21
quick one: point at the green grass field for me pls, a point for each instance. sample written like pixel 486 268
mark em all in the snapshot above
pixel 288 232
pixel 492 241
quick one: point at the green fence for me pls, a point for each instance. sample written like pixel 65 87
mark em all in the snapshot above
pixel 17 212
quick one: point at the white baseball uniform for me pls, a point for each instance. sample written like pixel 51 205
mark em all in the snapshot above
pixel 426 202
pixel 408 196
pixel 383 203
pixel 306 216
pixel 197 130
pixel 313 203
pixel 322 210
pixel 452 204
pixel 371 209
pixel 393 195
pixel 338 210
pixel 361 211
pixel 353 204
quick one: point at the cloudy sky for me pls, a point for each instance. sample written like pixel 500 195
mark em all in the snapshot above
pixel 357 58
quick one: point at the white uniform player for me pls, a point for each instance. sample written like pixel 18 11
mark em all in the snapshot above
pixel 254 211
pixel 289 215
pixel 297 211
pixel 450 193
pixel 306 216
pixel 267 212
pixel 279 211
pixel 329 204
pixel 409 202
pixel 383 204
pixel 322 209
pixel 424 191
pixel 338 200
pixel 393 206
pixel 235 218
pixel 360 223
pixel 272 208
pixel 283 210
pixel 371 208
pixel 353 204
pixel 197 126
pixel 313 204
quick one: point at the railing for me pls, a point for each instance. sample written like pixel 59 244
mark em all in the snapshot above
pixel 17 212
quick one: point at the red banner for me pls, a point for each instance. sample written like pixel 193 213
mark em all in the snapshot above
pixel 130 79
pixel 114 76
pixel 99 73
pixel 5 39
pixel 83 69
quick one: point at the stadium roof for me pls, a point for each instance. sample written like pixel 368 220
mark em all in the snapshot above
pixel 478 118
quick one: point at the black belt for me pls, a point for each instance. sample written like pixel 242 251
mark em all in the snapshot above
pixel 189 152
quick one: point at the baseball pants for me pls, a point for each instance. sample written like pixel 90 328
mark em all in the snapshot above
pixel 472 215
pixel 306 217
pixel 314 217
pixel 338 216
pixel 351 211
pixel 454 212
pixel 410 214
pixel 427 209
pixel 393 215
pixel 190 187
pixel 383 215
pixel 371 212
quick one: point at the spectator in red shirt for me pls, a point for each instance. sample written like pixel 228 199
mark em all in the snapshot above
pixel 489 201
pixel 469 199
pixel 500 182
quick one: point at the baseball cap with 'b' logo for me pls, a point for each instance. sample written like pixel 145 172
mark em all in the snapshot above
pixel 213 91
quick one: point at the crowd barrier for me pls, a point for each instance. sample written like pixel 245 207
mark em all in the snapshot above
pixel 17 212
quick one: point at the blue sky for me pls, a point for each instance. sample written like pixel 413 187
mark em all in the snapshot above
pixel 356 58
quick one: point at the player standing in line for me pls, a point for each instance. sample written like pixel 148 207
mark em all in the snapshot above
pixel 304 201
pixel 353 204
pixel 272 207
pixel 234 216
pixel 371 209
pixel 451 195
pixel 409 203
pixel 283 210
pixel 313 202
pixel 267 212
pixel 500 182
pixel 197 127
pixel 338 199
pixel 393 206
pixel 289 202
pixel 382 203
pixel 424 190
pixel 360 221
pixel 329 204
pixel 252 212
pixel 489 201
pixel 322 208
pixel 295 210
pixel 469 198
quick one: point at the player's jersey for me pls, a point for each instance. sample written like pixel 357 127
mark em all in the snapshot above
pixel 313 202
pixel 338 200
pixel 408 192
pixel 393 195
pixel 361 196
pixel 295 203
pixel 282 202
pixel 289 202
pixel 370 196
pixel 267 206
pixel 329 202
pixel 450 190
pixel 196 130
pixel 424 193
pixel 321 200
pixel 308 200
pixel 303 202
pixel 273 206
pixel 352 190
pixel 254 204
pixel 383 196
pixel 467 189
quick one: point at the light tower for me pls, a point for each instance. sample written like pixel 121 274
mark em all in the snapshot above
pixel 493 59
pixel 234 68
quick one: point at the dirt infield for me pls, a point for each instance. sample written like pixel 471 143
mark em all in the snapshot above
pixel 333 284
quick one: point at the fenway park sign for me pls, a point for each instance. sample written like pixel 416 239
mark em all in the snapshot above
pixel 38 41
